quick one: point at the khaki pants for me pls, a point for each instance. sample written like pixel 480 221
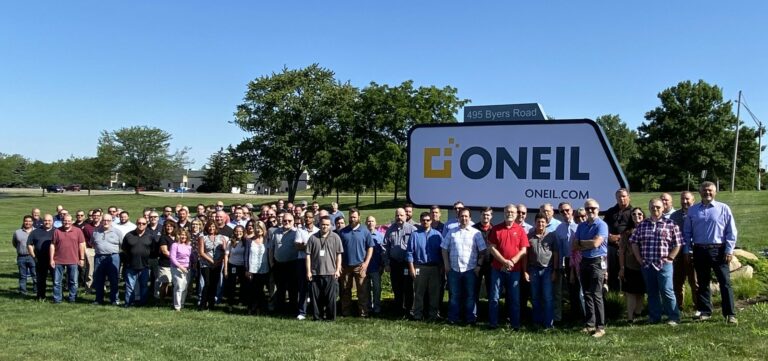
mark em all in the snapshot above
pixel 90 255
pixel 353 275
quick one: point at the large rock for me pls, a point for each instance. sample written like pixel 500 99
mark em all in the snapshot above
pixel 744 254
pixel 735 264
pixel 743 272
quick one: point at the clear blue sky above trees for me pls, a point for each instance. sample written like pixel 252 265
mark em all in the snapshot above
pixel 74 69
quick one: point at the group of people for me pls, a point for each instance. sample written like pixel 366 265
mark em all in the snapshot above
pixel 287 257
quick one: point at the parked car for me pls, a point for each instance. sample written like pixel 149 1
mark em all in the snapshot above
pixel 73 188
pixel 55 188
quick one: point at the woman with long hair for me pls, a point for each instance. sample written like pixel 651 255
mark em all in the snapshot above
pixel 629 269
pixel 163 284
pixel 181 252
pixel 258 265
pixel 210 249
pixel 234 270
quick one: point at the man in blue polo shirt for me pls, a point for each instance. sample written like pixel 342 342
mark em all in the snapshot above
pixel 424 257
pixel 591 239
pixel 358 250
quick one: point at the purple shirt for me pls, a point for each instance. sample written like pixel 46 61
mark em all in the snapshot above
pixel 655 239
pixel 180 254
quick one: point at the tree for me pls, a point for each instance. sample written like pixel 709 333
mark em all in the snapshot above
pixel 12 168
pixel 87 171
pixel 290 116
pixel 623 140
pixel 43 174
pixel 691 131
pixel 224 171
pixel 141 155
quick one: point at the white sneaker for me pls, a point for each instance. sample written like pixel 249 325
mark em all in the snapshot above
pixel 301 317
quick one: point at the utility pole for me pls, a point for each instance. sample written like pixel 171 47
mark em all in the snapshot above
pixel 736 146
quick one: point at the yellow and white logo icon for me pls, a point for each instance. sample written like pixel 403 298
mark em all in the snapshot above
pixel 431 153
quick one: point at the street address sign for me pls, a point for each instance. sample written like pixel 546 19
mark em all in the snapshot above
pixel 503 112
pixel 497 163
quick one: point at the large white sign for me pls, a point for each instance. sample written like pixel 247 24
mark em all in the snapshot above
pixel 497 163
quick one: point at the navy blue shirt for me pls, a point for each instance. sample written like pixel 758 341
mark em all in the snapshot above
pixel 356 243
pixel 40 239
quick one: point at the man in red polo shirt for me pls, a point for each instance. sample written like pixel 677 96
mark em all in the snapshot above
pixel 508 242
pixel 67 252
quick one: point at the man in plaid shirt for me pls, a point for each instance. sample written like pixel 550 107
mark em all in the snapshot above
pixel 655 243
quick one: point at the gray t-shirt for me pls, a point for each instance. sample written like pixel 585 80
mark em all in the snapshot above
pixel 20 241
pixel 106 241
pixel 322 253
pixel 236 254
pixel 540 252
pixel 284 242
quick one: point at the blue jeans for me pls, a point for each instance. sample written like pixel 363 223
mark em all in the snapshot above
pixel 462 293
pixel 26 270
pixel 511 281
pixel 541 295
pixel 106 266
pixel 58 274
pixel 661 294
pixel 136 278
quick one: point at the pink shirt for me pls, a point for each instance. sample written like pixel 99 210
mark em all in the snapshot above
pixel 180 254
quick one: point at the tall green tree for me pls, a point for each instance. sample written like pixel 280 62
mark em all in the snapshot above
pixel 43 174
pixel 12 168
pixel 89 172
pixel 141 155
pixel 290 116
pixel 623 140
pixel 692 130
pixel 224 171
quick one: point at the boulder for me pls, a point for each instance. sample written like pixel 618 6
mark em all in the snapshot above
pixel 735 264
pixel 744 254
pixel 743 272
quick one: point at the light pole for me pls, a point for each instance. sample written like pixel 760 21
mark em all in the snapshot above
pixel 736 146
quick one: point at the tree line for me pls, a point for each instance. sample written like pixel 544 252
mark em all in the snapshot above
pixel 355 139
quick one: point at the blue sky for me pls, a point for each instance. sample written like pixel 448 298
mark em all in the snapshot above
pixel 69 70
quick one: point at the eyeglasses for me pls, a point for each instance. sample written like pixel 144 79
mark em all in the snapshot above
pixel 287 220
pixel 522 213
pixel 655 207
pixel 590 209
pixel 426 220
pixel 153 216
pixel 637 214
pixel 80 215
pixel 566 210
pixel 141 223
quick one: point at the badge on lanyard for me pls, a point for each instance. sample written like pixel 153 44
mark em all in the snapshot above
pixel 322 253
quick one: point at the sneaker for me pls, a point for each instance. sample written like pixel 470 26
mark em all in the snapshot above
pixel 703 317
pixel 732 320
pixel 587 330
pixel 599 333
pixel 672 323
pixel 697 314
pixel 301 317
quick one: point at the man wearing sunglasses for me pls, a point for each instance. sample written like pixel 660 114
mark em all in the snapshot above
pixel 591 239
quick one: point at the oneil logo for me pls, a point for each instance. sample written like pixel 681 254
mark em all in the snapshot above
pixel 535 163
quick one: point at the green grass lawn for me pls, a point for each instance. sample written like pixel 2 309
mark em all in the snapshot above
pixel 32 330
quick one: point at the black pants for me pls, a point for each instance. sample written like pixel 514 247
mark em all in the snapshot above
pixel 43 270
pixel 402 286
pixel 211 276
pixel 325 290
pixel 592 274
pixel 286 278
pixel 235 277
pixel 257 291
pixel 705 261
pixel 613 268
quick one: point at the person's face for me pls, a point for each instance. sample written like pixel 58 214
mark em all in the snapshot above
pixel 435 213
pixel 666 200
pixel 486 217
pixel 196 227
pixel 212 228
pixel 141 224
pixel 521 213
pixel 400 216
pixel 354 219
pixel 593 210
pixel 48 222
pixel 238 232
pixel 457 208
pixel 567 211
pixel 686 200
pixel 63 213
pixel 622 199
pixel 239 213
pixel 113 212
pixel 250 228
pixel 280 204
pixel 219 219
pixel 325 226
pixel 36 213
pixel 426 222
pixel 408 213
pixel 581 217
pixel 340 223
pixel 154 218
pixel 183 237
pixel 96 218
pixel 309 220
pixel 167 212
pixel 510 214
pixel 656 209
pixel 541 224
pixel 257 231
pixel 124 217
pixel 106 221
pixel 335 207
pixel 708 193
pixel 183 214
pixel 168 228
pixel 370 222
pixel 201 209
pixel 637 216
pixel 287 221
pixel 548 212
pixel 464 218
pixel 27 223
pixel 315 207
pixel 297 211
pixel 80 216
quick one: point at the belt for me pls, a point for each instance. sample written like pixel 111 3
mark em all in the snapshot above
pixel 709 246
pixel 427 264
